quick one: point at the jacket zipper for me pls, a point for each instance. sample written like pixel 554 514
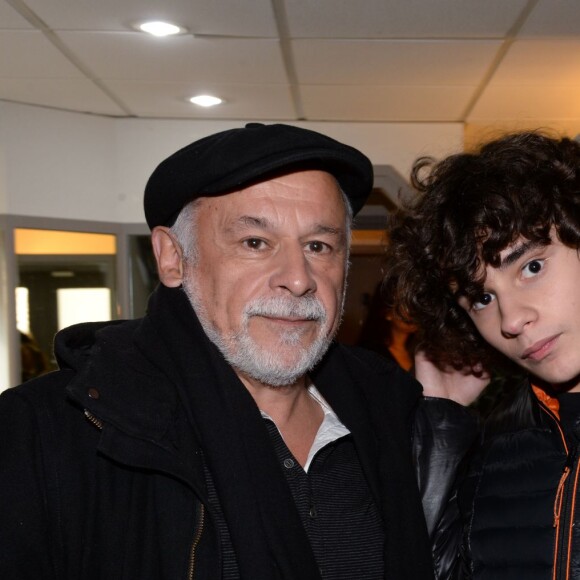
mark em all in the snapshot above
pixel 201 520
pixel 564 507
pixel 565 510
pixel 96 422
pixel 195 543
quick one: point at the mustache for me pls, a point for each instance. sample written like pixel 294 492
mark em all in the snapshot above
pixel 307 308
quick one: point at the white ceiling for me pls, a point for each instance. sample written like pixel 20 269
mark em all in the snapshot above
pixel 471 61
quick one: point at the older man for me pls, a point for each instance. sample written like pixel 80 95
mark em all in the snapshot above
pixel 224 435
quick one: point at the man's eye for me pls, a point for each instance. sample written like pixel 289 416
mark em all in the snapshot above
pixel 254 243
pixel 532 268
pixel 317 247
pixel 483 301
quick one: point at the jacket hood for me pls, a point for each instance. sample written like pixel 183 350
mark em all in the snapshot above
pixel 73 345
pixel 116 379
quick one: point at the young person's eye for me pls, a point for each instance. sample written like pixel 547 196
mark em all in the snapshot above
pixel 532 268
pixel 484 300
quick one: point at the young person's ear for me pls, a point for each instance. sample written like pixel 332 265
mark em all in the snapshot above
pixel 169 257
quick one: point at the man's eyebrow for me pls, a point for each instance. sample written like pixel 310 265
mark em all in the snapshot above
pixel 249 221
pixel 322 229
pixel 518 252
pixel 253 221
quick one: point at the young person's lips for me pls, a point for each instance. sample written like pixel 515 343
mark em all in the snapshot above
pixel 539 350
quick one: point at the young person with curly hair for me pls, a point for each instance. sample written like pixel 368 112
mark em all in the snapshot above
pixel 487 264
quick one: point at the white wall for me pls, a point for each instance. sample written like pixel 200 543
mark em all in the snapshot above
pixel 75 166
pixel 57 164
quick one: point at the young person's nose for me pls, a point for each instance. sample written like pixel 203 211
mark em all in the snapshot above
pixel 293 272
pixel 515 314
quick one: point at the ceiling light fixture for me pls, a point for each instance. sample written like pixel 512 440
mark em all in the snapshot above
pixel 158 28
pixel 205 100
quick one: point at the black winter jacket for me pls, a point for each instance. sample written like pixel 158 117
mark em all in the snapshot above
pixel 101 471
pixel 520 499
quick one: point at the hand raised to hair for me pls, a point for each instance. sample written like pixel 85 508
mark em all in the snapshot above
pixel 462 386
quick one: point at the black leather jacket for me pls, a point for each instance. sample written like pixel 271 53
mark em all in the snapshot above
pixel 445 434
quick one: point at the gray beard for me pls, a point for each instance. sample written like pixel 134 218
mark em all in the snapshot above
pixel 260 363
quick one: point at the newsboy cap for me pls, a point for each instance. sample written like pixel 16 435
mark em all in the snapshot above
pixel 236 158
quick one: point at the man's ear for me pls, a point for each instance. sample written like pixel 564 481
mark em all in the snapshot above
pixel 169 257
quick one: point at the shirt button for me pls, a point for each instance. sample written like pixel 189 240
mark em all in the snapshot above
pixel 94 393
pixel 312 513
pixel 288 463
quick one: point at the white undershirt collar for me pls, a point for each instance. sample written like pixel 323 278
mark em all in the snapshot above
pixel 330 429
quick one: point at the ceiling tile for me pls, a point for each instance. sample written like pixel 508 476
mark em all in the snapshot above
pixel 245 18
pixel 69 94
pixel 541 62
pixel 393 103
pixel 397 19
pixel 524 102
pixel 28 54
pixel 136 56
pixel 392 62
pixel 9 18
pixel 171 100
pixel 412 60
pixel 549 18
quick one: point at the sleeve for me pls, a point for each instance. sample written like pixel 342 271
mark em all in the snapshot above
pixel 444 436
pixel 25 534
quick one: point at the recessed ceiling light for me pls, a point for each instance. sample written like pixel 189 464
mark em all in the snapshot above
pixel 158 28
pixel 205 100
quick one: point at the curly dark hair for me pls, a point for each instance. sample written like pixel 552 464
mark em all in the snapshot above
pixel 471 207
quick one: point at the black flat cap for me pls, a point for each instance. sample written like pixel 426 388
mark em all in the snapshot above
pixel 233 159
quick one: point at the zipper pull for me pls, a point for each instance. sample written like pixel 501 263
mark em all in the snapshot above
pixel 571 458
pixel 568 465
pixel 93 420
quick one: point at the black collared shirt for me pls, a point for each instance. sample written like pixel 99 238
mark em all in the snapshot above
pixel 335 505
pixel 336 508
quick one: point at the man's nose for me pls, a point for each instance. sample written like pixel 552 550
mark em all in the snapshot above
pixel 292 271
